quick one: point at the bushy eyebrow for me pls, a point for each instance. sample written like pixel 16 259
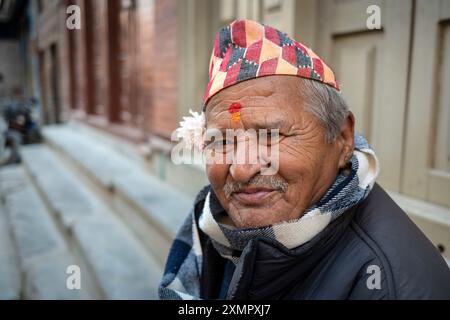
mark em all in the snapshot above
pixel 269 124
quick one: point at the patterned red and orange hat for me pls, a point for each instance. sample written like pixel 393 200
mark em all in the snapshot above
pixel 247 49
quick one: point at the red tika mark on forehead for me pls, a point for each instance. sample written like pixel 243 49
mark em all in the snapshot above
pixel 234 107
pixel 235 110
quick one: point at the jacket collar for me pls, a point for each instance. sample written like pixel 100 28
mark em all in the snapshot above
pixel 267 269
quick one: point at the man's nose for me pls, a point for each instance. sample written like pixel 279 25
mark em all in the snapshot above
pixel 246 163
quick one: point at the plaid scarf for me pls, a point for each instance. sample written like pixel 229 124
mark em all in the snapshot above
pixel 181 279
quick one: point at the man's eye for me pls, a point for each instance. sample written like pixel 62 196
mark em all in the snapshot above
pixel 220 143
pixel 270 138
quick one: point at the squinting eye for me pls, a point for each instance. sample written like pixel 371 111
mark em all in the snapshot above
pixel 270 138
pixel 222 145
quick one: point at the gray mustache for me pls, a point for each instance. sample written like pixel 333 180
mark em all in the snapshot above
pixel 271 182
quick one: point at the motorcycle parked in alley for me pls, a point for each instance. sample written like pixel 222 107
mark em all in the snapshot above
pixel 18 125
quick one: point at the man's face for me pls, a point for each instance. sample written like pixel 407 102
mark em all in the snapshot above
pixel 308 165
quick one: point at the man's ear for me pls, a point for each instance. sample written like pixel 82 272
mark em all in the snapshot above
pixel 346 140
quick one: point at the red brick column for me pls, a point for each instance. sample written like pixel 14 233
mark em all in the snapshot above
pixel 114 88
pixel 165 51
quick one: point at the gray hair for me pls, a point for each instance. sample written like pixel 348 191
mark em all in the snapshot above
pixel 327 104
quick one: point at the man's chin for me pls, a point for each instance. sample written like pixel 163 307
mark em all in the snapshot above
pixel 266 213
pixel 248 218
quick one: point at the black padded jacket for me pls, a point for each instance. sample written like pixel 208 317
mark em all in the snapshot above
pixel 372 251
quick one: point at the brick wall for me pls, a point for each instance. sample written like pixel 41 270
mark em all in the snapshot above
pixel 138 90
pixel 165 116
pixel 53 60
pixel 146 62
pixel 99 56
pixel 79 59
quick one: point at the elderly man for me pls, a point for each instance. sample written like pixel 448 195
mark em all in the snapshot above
pixel 318 227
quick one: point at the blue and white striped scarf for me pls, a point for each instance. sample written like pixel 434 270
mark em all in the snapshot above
pixel 181 279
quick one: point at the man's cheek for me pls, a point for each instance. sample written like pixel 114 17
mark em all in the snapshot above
pixel 217 174
pixel 290 167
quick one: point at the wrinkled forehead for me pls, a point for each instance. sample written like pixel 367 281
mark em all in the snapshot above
pixel 274 97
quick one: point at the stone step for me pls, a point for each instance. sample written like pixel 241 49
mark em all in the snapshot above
pixel 153 209
pixel 153 155
pixel 47 279
pixel 67 197
pixel 42 251
pixel 10 283
pixel 120 264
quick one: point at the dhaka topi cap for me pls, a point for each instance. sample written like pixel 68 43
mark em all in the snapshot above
pixel 246 49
